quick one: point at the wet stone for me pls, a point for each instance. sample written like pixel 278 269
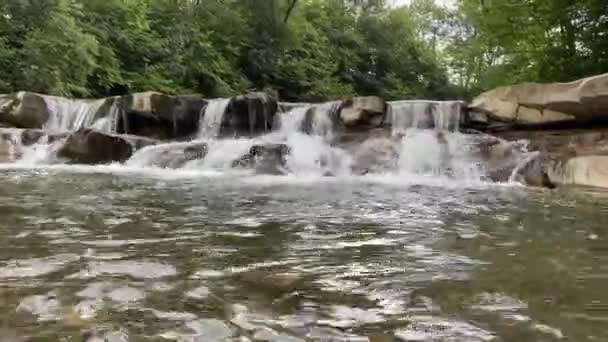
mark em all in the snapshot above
pixel 87 309
pixel 116 336
pixel 95 290
pixel 269 281
pixel 43 308
pixel 135 269
pixel 264 334
pixel 173 316
pixel 212 329
pixel 198 293
pixel 286 338
pixel 126 295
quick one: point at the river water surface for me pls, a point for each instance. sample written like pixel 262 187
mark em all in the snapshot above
pixel 118 254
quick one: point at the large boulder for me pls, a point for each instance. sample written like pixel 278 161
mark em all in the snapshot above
pixel 160 116
pixel 585 100
pixel 171 155
pixel 249 115
pixel 265 159
pixel 375 155
pixel 584 170
pixel 93 147
pixel 363 112
pixel 23 110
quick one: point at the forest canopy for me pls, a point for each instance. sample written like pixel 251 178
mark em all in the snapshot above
pixel 305 50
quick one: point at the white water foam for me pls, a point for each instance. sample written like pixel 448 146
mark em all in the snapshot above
pixel 439 153
pixel 430 142
pixel 40 153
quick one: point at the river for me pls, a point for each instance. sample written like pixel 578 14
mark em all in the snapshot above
pixel 133 254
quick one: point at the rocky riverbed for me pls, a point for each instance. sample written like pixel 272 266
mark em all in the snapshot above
pixel 538 134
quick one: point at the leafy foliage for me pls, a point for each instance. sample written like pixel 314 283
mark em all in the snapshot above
pixel 303 49
pixel 500 42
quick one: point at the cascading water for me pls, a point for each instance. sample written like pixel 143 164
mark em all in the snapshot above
pixel 36 149
pixel 109 123
pixel 314 119
pixel 70 115
pixel 419 114
pixel 310 154
pixel 211 118
pixel 426 141
pixel 323 121
pixel 293 120
pixel 66 115
pixel 430 142
pixel 447 115
pixel 42 152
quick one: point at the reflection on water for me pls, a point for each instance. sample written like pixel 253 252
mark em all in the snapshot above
pixel 95 255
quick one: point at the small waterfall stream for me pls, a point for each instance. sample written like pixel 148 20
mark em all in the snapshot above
pixel 74 114
pixel 431 144
pixel 212 115
pixel 71 115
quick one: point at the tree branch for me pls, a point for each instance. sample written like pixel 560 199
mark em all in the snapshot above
pixel 292 5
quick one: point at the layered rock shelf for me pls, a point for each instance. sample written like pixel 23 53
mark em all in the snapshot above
pixel 541 134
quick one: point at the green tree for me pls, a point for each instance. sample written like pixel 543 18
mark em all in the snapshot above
pixel 58 57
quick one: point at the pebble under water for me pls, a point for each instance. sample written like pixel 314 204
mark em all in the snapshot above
pixel 104 253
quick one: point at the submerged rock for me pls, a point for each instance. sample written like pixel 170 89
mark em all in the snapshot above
pixel 172 155
pixel 92 147
pixel 271 281
pixel 362 112
pixel 266 159
pixel 207 330
pixel 375 155
pixel 41 307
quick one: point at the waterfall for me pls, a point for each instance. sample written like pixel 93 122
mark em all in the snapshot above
pixel 447 115
pixel 72 115
pixel 69 114
pixel 293 120
pixel 430 142
pixel 212 115
pixel 314 119
pixel 425 141
pixel 324 119
pixel 109 123
pixel 312 153
pixel 442 115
